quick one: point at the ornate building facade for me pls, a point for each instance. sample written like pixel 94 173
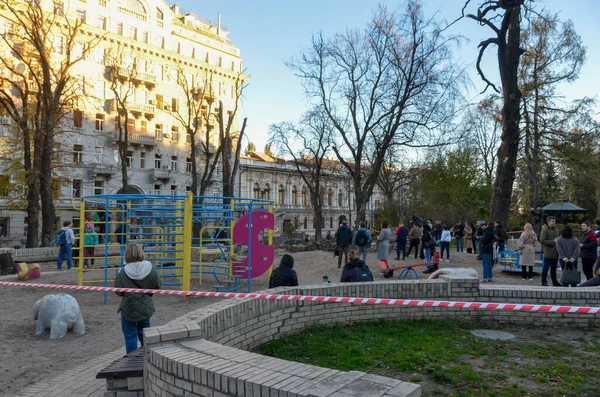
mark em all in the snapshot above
pixel 262 176
pixel 162 40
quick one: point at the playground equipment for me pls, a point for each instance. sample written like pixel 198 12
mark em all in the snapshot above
pixel 511 261
pixel 223 233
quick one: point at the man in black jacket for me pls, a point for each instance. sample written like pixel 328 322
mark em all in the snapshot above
pixel 343 238
pixel 487 250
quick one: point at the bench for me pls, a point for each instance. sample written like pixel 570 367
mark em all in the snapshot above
pixel 125 376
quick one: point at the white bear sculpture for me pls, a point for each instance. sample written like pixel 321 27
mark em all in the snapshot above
pixel 459 271
pixel 60 313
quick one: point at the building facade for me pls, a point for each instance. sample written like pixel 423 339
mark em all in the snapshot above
pixel 262 176
pixel 161 41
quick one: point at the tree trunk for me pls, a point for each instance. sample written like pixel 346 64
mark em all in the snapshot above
pixel 508 62
pixel 31 163
pixel 361 205
pixel 46 189
pixel 318 212
pixel 194 162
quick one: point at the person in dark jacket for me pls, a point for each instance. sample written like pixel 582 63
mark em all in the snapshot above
pixel 284 275
pixel 401 237
pixel 487 250
pixel 343 238
pixel 459 232
pixel 427 242
pixel 479 235
pixel 501 233
pixel 356 270
pixel 136 309
pixel 588 252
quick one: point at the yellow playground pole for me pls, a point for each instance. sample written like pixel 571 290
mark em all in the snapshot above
pixel 178 242
pixel 81 243
pixel 187 241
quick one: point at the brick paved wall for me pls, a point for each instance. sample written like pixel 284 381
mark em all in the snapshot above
pixel 174 367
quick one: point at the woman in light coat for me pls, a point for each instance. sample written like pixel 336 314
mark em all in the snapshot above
pixel 526 247
pixel 383 243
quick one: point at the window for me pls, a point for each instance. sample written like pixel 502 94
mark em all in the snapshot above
pixel 132 32
pixel 329 198
pixel 294 195
pixel 173 163
pixel 59 8
pixel 232 65
pixel 267 192
pixel 281 195
pixel 256 191
pixel 120 28
pixel 143 126
pixel 142 159
pixel 99 121
pixel 98 154
pixel 220 62
pixel 340 199
pixel 157 158
pixel 188 136
pixel 145 37
pixel 59 44
pixel 207 58
pixel 304 196
pixel 175 133
pixel 129 158
pixel 5 226
pixel 80 15
pixel 78 154
pixel 194 52
pixel 101 22
pixel 159 101
pixel 305 223
pixel 188 188
pixel 76 188
pixel 157 189
pixel 130 124
pixel 174 104
pixel 331 222
pixel 232 92
pixel 78 119
pixel 177 47
pixel 98 187
pixel 188 164
pixel 159 14
pixel 4 185
pixel 173 190
pixel 158 131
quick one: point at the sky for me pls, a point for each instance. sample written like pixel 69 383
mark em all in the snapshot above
pixel 269 32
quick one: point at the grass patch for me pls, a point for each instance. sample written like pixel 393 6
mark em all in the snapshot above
pixel 448 361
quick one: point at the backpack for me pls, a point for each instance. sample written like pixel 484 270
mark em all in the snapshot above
pixel 364 274
pixel 61 238
pixel 362 240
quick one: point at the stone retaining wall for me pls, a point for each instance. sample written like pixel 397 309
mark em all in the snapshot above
pixel 200 356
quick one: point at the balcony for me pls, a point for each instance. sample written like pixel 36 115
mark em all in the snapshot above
pixel 138 77
pixel 160 173
pixel 135 139
pixel 101 169
pixel 28 85
pixel 146 78
pixel 132 13
pixel 141 109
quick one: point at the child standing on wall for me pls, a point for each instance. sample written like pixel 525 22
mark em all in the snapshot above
pixel 90 240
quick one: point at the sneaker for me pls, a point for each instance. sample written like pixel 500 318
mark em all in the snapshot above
pixel 530 279
pixel 447 260
pixel 484 280
pixel 557 285
pixel 523 278
pixel 490 280
pixel 544 284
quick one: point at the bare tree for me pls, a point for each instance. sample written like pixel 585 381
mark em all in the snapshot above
pixel 41 47
pixel 122 70
pixel 507 38
pixel 307 143
pixel 392 84
pixel 197 116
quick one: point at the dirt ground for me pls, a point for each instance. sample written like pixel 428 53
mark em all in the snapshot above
pixel 27 358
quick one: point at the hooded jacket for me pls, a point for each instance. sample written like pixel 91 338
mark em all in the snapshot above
pixel 590 245
pixel 344 235
pixel 284 275
pixel 487 240
pixel 134 306
pixel 69 235
pixel 352 272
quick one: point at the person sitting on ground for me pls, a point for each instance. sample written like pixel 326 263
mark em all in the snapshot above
pixel 284 275
pixel 136 309
pixel 356 270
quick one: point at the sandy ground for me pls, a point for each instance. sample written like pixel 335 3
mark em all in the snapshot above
pixel 27 358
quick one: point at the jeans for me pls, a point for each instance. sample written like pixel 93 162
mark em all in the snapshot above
pixel 563 265
pixel 550 263
pixel 594 282
pixel 363 252
pixel 133 331
pixel 414 242
pixel 445 245
pixel 501 246
pixel 588 267
pixel 427 253
pixel 479 245
pixel 486 260
pixel 343 250
pixel 401 246
pixel 66 251
pixel 459 244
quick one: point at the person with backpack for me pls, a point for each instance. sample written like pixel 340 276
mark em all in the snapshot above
pixel 136 309
pixel 284 275
pixel 356 271
pixel 343 238
pixel 362 240
pixel 65 238
pixel 401 236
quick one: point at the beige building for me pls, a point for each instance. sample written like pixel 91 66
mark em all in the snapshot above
pixel 262 176
pixel 159 39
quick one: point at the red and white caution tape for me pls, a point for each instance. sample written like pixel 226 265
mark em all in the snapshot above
pixel 336 299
